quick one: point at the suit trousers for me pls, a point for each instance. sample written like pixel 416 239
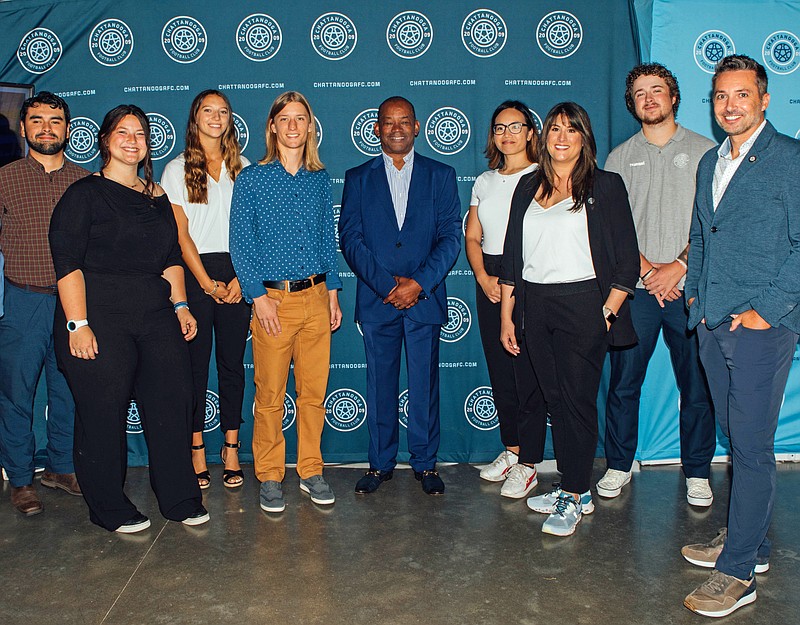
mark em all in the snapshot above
pixel 517 398
pixel 566 336
pixel 383 344
pixel 26 346
pixel 747 372
pixel 143 354
pixel 628 370
pixel 305 339
pixel 225 326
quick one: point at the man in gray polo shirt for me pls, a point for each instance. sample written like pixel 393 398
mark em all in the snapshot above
pixel 658 166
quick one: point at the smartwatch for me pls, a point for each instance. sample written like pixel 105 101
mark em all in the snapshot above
pixel 73 325
pixel 609 315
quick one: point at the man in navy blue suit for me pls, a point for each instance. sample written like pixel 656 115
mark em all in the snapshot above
pixel 400 232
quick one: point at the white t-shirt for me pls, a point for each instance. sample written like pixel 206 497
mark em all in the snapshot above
pixel 555 244
pixel 492 193
pixel 209 224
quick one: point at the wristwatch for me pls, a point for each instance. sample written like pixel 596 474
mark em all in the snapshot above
pixel 73 324
pixel 609 315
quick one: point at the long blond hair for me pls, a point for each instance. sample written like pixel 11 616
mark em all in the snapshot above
pixel 311 161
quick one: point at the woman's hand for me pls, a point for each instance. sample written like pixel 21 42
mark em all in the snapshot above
pixel 234 295
pixel 83 343
pixel 188 323
pixel 266 311
pixel 218 293
pixel 508 337
pixel 491 289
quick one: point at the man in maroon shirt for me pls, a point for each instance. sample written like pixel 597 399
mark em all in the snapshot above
pixel 29 190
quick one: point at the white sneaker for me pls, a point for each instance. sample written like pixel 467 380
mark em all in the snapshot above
pixel 520 480
pixel 698 492
pixel 610 485
pixel 498 470
pixel 546 503
pixel 565 517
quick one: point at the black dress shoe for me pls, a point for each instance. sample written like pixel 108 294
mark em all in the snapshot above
pixel 134 524
pixel 372 480
pixel 432 484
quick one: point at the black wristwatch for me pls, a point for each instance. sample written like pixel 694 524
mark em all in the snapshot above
pixel 609 315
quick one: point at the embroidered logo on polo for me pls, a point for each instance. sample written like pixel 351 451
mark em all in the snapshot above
pixel 402 408
pixel 559 34
pixel 242 131
pixel 781 52
pixel 447 130
pixel 162 136
pixel 39 50
pixel 111 42
pixel 409 34
pixel 82 145
pixel 681 160
pixel 184 39
pixel 337 212
pixel 334 36
pixel 362 132
pixel 710 48
pixel 211 419
pixel 345 410
pixel 484 33
pixel 133 420
pixel 479 409
pixel 258 37
pixel 459 320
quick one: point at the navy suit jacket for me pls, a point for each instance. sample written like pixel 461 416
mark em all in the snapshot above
pixel 425 249
pixel 746 254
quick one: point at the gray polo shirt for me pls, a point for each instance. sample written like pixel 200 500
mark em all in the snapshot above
pixel 661 184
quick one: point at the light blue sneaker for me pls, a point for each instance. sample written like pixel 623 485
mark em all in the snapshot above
pixel 271 496
pixel 546 503
pixel 565 517
pixel 316 486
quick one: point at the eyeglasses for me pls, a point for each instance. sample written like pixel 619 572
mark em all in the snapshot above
pixel 514 128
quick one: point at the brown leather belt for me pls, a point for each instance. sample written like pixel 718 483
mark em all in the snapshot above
pixel 292 286
pixel 43 290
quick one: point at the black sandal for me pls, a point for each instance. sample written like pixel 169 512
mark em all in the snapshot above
pixel 229 475
pixel 203 475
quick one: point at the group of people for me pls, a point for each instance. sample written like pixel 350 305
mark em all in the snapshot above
pixel 119 287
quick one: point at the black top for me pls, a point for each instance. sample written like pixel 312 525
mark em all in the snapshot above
pixel 101 226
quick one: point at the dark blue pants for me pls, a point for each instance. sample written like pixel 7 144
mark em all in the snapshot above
pixel 26 346
pixel 747 372
pixel 628 370
pixel 383 343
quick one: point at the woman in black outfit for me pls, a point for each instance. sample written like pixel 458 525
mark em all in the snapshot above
pixel 120 283
pixel 570 260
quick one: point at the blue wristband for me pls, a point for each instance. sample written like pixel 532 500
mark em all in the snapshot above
pixel 177 305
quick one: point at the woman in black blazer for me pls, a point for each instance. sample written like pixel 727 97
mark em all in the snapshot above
pixel 570 261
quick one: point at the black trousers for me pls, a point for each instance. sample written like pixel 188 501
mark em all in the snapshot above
pixel 517 398
pixel 142 353
pixel 226 325
pixel 566 336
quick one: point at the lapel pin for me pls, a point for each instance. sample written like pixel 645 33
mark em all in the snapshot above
pixel 752 159
pixel 590 201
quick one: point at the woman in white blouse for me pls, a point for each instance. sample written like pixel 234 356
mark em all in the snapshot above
pixel 511 149
pixel 199 184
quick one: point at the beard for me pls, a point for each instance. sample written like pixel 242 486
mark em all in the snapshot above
pixel 656 117
pixel 48 149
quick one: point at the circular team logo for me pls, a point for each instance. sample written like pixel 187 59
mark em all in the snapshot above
pixel 82 144
pixel 781 52
pixel 409 34
pixel 402 408
pixel 211 419
pixel 184 39
pixel 242 132
pixel 39 50
pixel 289 412
pixel 334 36
pixel 479 409
pixel 537 120
pixel 710 48
pixel 133 420
pixel 111 42
pixel 345 410
pixel 681 160
pixel 259 37
pixel 559 34
pixel 362 132
pixel 162 136
pixel 337 211
pixel 484 32
pixel 459 320
pixel 447 130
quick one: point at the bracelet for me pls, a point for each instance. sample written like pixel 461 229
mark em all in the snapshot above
pixel 212 291
pixel 647 274
pixel 178 305
pixel 683 264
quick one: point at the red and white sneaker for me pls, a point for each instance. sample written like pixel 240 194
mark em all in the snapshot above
pixel 498 470
pixel 521 480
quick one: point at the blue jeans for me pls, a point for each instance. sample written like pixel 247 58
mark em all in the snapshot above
pixel 26 346
pixel 628 370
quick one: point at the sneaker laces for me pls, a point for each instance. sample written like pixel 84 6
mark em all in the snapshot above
pixel 717 582
pixel 503 459
pixel 517 473
pixel 562 503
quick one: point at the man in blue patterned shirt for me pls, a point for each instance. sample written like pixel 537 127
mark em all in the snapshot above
pixel 283 247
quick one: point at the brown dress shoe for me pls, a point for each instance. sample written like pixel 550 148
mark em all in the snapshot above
pixel 25 500
pixel 65 481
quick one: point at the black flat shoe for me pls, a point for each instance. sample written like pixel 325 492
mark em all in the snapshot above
pixel 204 477
pixel 372 480
pixel 134 524
pixel 432 484
pixel 229 476
pixel 198 517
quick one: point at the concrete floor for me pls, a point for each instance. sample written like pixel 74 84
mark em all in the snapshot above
pixel 397 556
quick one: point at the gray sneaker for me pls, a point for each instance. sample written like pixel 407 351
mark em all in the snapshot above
pixel 565 516
pixel 271 496
pixel 318 488
pixel 546 503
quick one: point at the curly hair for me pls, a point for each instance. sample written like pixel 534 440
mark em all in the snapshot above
pixel 652 69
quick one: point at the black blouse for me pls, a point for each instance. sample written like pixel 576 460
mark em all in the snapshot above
pixel 101 226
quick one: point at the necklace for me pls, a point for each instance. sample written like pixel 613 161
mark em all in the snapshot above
pixel 130 186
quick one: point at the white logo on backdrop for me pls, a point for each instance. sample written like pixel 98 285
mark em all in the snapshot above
pixel 39 50
pixel 710 48
pixel 447 130
pixel 258 37
pixel 162 136
pixel 362 132
pixel 484 33
pixel 559 34
pixel 334 36
pixel 184 39
pixel 409 34
pixel 111 42
pixel 82 145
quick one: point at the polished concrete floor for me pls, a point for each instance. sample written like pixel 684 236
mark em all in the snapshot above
pixel 397 556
